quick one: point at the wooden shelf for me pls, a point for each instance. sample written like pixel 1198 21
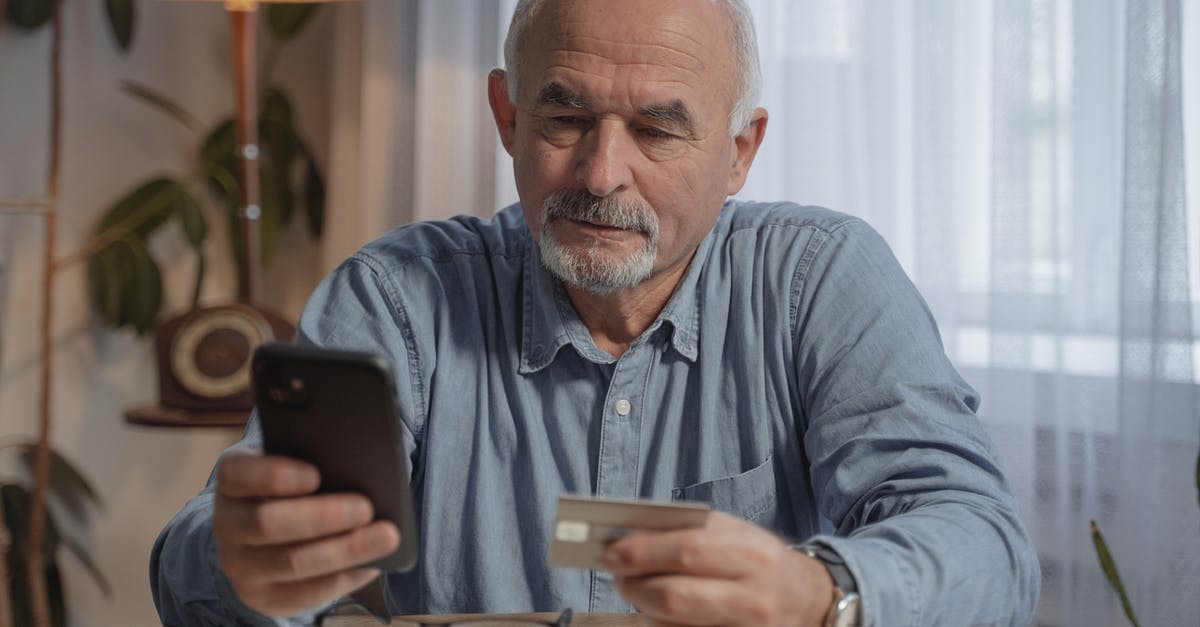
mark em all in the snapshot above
pixel 159 416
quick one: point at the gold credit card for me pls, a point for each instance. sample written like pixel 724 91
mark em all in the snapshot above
pixel 584 526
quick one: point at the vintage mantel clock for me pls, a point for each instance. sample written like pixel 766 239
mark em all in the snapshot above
pixel 204 356
pixel 203 359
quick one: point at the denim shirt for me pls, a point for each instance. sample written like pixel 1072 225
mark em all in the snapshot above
pixel 795 379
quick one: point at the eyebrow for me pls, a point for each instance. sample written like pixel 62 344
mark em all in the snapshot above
pixel 558 95
pixel 674 113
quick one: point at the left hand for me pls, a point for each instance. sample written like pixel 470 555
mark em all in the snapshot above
pixel 729 572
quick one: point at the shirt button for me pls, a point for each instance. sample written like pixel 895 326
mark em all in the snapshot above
pixel 623 407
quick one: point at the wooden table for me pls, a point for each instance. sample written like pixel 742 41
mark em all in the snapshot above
pixel 581 619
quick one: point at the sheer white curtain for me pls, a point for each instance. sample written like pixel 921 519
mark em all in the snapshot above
pixel 1025 158
pixel 412 136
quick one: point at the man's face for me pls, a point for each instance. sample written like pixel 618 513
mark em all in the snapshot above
pixel 620 136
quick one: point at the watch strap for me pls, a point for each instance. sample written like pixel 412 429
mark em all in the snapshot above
pixel 845 610
pixel 842 577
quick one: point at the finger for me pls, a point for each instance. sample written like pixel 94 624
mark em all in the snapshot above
pixel 283 521
pixel 288 599
pixel 686 600
pixel 249 474
pixel 702 552
pixel 306 560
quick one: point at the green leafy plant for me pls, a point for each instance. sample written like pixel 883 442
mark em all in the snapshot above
pixel 124 279
pixel 68 515
pixel 1109 566
pixel 45 507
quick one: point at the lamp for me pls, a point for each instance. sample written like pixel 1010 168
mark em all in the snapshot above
pixel 204 355
pixel 243 28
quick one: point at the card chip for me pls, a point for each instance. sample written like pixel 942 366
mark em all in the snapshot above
pixel 571 531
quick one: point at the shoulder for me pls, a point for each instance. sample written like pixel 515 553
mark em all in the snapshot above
pixel 421 269
pixel 741 215
pixel 502 235
pixel 783 234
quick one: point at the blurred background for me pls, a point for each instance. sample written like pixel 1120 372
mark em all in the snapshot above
pixel 1029 162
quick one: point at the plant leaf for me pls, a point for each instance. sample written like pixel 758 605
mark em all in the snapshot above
pixel 16 512
pixel 54 592
pixel 218 162
pixel 275 194
pixel 17 524
pixel 18 502
pixel 277 107
pixel 67 483
pixel 29 14
pixel 128 272
pixel 281 143
pixel 314 196
pixel 191 218
pixel 1110 571
pixel 144 292
pixel 143 210
pixel 121 17
pixel 106 285
pixel 283 197
pixel 285 21
pixel 163 104
pixel 93 569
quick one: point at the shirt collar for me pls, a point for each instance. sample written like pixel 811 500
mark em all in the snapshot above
pixel 550 321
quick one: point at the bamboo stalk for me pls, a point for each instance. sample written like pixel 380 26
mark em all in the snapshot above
pixel 5 545
pixel 39 600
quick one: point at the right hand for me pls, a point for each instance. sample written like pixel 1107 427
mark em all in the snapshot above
pixel 284 548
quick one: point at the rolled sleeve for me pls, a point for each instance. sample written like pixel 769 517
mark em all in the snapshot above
pixel 901 465
pixel 186 581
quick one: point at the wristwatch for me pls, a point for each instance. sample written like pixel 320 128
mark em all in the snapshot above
pixel 845 611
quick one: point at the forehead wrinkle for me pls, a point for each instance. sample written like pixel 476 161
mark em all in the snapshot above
pixel 563 75
pixel 674 57
pixel 589 103
pixel 669 33
pixel 569 53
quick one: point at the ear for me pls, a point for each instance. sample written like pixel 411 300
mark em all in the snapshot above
pixel 745 146
pixel 503 109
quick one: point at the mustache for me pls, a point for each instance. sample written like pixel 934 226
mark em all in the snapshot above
pixel 585 206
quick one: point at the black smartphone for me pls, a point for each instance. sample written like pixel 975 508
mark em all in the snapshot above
pixel 337 410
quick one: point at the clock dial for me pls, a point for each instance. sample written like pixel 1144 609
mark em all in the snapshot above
pixel 210 356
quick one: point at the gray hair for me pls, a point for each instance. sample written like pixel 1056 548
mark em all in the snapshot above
pixel 741 30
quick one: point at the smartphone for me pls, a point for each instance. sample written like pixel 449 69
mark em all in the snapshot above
pixel 337 410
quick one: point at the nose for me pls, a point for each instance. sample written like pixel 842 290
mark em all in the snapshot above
pixel 603 162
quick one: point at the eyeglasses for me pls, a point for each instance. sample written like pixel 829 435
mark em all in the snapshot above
pixel 564 620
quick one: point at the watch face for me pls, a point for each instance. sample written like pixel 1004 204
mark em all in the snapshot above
pixel 210 356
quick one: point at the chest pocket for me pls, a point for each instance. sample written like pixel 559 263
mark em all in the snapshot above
pixel 750 495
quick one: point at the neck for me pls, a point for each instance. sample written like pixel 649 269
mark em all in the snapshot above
pixel 616 320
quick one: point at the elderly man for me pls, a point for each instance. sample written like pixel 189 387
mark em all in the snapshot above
pixel 626 331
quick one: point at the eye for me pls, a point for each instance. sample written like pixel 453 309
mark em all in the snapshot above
pixel 651 132
pixel 567 120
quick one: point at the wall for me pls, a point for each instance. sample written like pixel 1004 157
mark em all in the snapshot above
pixel 110 143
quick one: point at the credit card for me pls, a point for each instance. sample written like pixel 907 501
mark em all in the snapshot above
pixel 584 527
